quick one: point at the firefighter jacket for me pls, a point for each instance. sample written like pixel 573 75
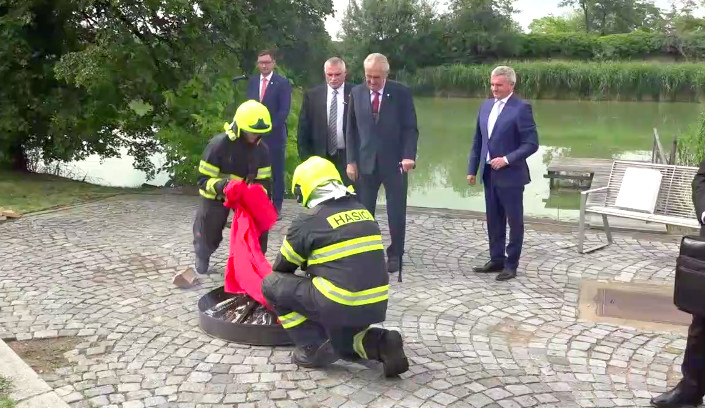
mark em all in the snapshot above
pixel 225 159
pixel 339 244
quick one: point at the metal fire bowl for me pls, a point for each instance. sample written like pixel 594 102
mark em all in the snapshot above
pixel 253 334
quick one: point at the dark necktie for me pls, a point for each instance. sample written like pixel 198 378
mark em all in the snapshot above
pixel 333 124
pixel 375 103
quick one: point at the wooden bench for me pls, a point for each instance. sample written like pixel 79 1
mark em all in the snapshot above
pixel 580 170
pixel 674 205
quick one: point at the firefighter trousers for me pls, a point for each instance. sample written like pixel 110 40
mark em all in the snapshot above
pixel 293 299
pixel 208 225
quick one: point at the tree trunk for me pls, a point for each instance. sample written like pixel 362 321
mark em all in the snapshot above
pixel 584 6
pixel 18 158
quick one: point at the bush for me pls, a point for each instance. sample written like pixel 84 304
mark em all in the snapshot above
pixel 637 45
pixel 198 113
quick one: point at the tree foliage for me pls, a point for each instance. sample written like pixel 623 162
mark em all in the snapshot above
pixel 572 23
pixel 95 76
pixel 400 28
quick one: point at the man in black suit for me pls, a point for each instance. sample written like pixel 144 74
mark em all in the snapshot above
pixel 274 92
pixel 381 145
pixel 690 390
pixel 323 118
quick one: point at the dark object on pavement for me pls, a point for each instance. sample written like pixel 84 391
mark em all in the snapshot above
pixel 239 318
pixel 679 397
pixel 690 276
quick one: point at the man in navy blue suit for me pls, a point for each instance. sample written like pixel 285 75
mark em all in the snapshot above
pixel 505 136
pixel 274 92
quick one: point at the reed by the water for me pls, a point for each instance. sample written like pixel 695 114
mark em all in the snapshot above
pixel 570 80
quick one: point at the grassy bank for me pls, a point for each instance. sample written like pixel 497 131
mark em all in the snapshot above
pixel 634 81
pixel 31 192
pixel 5 389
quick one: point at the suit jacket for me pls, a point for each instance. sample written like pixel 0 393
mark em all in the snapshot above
pixel 699 194
pixel 313 121
pixel 514 136
pixel 277 98
pixel 386 141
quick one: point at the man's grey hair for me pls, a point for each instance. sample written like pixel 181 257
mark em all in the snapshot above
pixel 334 61
pixel 375 58
pixel 508 72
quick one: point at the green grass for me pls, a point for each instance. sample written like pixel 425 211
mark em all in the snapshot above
pixel 29 192
pixel 691 144
pixel 5 389
pixel 570 80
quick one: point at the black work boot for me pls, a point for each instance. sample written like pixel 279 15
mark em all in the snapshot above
pixel 202 265
pixel 681 396
pixel 315 356
pixel 391 354
pixel 387 347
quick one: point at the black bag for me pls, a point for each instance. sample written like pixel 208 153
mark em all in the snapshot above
pixel 689 291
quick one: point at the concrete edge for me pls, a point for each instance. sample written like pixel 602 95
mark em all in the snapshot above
pixel 30 390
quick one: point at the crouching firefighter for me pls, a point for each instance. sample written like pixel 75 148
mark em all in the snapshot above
pixel 338 243
pixel 236 154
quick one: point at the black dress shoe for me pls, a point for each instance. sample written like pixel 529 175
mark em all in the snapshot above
pixel 489 267
pixel 678 397
pixel 393 265
pixel 507 274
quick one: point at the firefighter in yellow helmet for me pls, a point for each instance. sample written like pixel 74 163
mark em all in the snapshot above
pixel 338 243
pixel 235 154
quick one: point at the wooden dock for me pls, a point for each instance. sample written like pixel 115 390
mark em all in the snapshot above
pixel 586 172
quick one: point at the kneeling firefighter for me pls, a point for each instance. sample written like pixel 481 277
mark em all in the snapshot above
pixel 338 243
pixel 236 154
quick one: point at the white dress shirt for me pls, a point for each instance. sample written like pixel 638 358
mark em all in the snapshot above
pixel 497 109
pixel 702 217
pixel 269 82
pixel 340 98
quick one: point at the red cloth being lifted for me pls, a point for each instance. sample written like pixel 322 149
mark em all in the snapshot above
pixel 254 214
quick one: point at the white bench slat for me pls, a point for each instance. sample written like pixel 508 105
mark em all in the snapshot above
pixel 661 219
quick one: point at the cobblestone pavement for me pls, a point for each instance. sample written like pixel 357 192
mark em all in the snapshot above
pixel 103 271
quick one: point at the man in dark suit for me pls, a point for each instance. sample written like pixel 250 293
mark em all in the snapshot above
pixel 381 145
pixel 690 390
pixel 274 92
pixel 323 118
pixel 505 136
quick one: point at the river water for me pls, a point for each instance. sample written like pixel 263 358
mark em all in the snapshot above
pixel 566 128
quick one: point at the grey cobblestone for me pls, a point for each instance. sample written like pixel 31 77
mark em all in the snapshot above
pixel 102 272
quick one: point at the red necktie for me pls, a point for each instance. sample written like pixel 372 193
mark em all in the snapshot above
pixel 264 89
pixel 375 103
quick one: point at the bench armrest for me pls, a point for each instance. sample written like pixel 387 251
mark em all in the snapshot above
pixel 594 190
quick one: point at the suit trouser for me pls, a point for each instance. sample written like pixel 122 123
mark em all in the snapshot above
pixel 504 205
pixel 208 225
pixel 368 187
pixel 693 367
pixel 340 161
pixel 294 301
pixel 277 149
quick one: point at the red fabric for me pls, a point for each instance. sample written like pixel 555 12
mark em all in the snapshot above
pixel 254 214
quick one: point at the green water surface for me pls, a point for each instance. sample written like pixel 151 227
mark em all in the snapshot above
pixel 566 128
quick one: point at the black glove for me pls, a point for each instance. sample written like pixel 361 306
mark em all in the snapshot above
pixel 220 186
